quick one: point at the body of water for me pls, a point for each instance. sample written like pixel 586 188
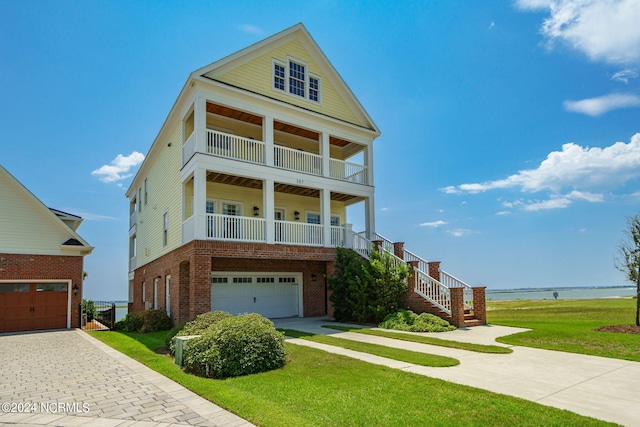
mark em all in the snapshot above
pixel 563 293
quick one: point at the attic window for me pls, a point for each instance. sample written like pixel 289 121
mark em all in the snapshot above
pixel 293 77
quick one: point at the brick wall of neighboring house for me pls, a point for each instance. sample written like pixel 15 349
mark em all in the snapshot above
pixel 46 267
pixel 190 267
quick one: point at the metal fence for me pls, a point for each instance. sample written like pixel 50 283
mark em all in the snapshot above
pixel 98 315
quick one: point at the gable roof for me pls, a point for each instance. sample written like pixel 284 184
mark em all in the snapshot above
pixel 297 32
pixel 72 242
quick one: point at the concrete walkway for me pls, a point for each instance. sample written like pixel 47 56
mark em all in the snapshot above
pixel 598 387
pixel 68 378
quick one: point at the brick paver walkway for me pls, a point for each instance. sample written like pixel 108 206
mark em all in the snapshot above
pixel 65 378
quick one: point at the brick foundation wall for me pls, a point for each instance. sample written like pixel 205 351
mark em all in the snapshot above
pixel 46 267
pixel 191 264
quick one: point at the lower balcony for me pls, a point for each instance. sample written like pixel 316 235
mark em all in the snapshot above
pixel 248 229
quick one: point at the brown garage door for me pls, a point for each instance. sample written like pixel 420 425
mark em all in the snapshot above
pixel 33 306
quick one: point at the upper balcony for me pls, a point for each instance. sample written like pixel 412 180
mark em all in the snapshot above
pixel 242 136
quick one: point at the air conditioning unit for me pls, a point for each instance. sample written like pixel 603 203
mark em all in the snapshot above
pixel 181 346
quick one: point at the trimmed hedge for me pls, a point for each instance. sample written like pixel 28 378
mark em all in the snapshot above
pixel 407 320
pixel 235 346
pixel 144 321
pixel 197 326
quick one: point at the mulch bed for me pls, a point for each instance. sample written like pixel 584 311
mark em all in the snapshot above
pixel 621 329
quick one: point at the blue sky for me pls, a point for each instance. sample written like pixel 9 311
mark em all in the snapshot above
pixel 510 145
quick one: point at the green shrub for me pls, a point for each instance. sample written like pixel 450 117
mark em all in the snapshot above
pixel 132 322
pixel 144 321
pixel 198 326
pixel 367 290
pixel 406 320
pixel 236 346
pixel 168 339
pixel 89 308
pixel 155 320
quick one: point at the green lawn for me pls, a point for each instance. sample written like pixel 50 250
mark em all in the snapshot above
pixel 316 388
pixel 568 325
pixel 479 348
pixel 414 357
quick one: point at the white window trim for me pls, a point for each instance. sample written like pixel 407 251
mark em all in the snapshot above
pixel 306 216
pixel 146 196
pixel 216 205
pixel 155 293
pixel 307 74
pixel 284 212
pixel 232 202
pixel 165 229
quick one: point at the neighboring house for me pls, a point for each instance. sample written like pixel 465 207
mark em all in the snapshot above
pixel 264 160
pixel 41 262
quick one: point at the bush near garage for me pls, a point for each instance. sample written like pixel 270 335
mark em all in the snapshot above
pixel 236 346
pixel 144 321
pixel 407 320
pixel 197 326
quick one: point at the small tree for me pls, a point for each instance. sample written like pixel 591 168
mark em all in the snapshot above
pixel 348 290
pixel 628 260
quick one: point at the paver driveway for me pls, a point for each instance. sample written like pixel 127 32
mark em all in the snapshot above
pixel 66 377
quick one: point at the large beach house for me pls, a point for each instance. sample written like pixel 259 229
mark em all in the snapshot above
pixel 242 198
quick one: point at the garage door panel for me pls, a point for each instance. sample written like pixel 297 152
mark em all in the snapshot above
pixel 32 306
pixel 267 296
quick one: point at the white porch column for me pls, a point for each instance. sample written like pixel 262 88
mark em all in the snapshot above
pixel 325 212
pixel 268 205
pixel 325 153
pixel 267 138
pixel 200 203
pixel 200 124
pixel 369 220
pixel 368 162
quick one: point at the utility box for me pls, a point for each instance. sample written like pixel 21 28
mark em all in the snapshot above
pixel 181 346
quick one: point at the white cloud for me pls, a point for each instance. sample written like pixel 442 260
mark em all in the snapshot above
pixel 604 30
pixel 250 29
pixel 434 224
pixel 575 173
pixel 460 232
pixel 624 75
pixel 492 26
pixel 384 209
pixel 119 167
pixel 602 104
pixel 88 216
pixel 502 213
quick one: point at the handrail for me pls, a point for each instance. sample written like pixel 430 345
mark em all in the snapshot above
pixel 422 264
pixel 433 291
pixel 235 147
pixel 453 282
pixel 238 228
pixel 297 160
pixel 348 171
pixel 299 233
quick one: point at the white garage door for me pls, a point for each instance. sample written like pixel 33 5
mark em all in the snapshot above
pixel 271 295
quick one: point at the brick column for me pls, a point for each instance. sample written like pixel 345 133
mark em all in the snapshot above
pixel 398 249
pixel 479 304
pixel 377 244
pixel 457 307
pixel 330 272
pixel 434 270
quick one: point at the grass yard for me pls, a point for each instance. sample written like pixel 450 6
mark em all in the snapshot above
pixel 568 325
pixel 414 357
pixel 478 348
pixel 316 388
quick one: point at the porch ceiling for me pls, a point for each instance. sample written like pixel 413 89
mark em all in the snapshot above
pixel 243 116
pixel 239 181
pixel 234 114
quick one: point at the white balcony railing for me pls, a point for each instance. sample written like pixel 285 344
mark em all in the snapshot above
pixel 132 263
pixel 337 236
pixel 299 233
pixel 133 219
pixel 353 172
pixel 239 228
pixel 188 148
pixel 235 147
pixel 296 160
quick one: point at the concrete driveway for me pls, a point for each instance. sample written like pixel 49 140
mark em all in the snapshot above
pixel 598 387
pixel 68 378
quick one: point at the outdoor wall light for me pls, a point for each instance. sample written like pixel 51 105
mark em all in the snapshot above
pixel 313 277
pixel 75 289
pixel 297 215
pixel 256 211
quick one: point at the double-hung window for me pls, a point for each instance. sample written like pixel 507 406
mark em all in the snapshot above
pixel 165 229
pixel 293 77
